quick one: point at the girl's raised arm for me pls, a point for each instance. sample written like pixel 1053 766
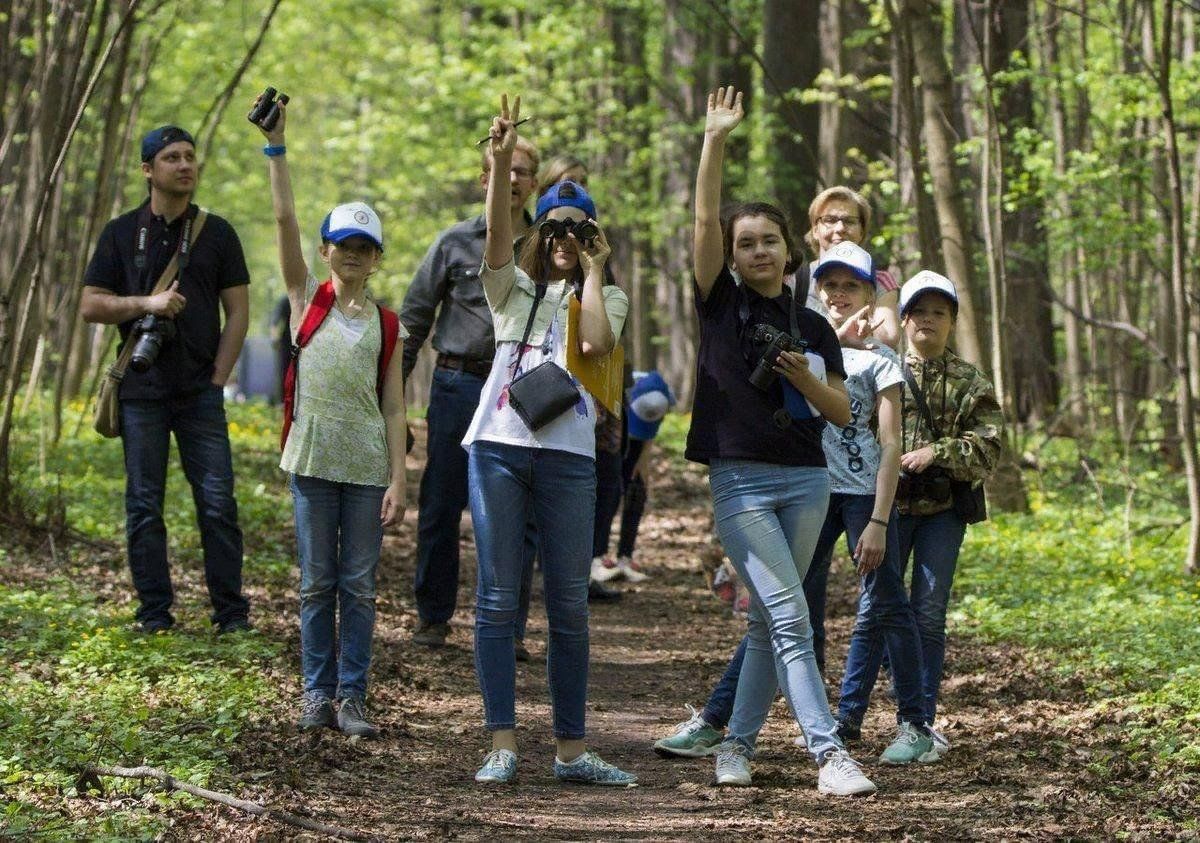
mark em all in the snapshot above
pixel 502 141
pixel 287 229
pixel 708 250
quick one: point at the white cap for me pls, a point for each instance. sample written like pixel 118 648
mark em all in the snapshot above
pixel 354 219
pixel 923 282
pixel 850 255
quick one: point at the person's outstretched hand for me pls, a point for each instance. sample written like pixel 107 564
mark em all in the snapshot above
pixel 275 136
pixel 724 111
pixel 503 136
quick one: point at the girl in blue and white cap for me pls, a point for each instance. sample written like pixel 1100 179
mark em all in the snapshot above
pixel 345 450
pixel 520 467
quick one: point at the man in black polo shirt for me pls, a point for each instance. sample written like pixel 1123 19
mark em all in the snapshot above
pixel 182 391
pixel 447 283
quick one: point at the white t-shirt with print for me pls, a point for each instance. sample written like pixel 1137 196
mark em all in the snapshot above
pixel 496 421
pixel 852 452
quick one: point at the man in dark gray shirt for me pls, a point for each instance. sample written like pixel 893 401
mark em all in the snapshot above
pixel 447 283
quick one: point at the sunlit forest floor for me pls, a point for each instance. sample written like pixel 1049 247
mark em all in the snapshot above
pixel 1050 737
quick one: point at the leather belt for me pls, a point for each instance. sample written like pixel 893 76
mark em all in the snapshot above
pixel 481 368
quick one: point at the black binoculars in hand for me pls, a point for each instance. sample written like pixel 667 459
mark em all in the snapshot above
pixel 266 111
pixel 585 231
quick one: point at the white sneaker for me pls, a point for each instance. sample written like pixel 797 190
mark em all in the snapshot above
pixel 604 570
pixel 841 776
pixel 630 569
pixel 733 765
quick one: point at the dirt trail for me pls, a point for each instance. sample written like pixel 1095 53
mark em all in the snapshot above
pixel 1019 768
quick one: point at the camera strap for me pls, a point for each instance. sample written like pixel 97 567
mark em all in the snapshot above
pixel 744 309
pixel 922 405
pixel 191 230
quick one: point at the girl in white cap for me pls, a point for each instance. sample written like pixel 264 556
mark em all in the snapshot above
pixel 343 445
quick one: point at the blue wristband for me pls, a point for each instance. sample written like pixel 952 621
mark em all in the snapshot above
pixel 274 151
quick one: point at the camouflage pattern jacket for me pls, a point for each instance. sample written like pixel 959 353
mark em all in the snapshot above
pixel 966 415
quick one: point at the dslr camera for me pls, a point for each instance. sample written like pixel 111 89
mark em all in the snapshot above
pixel 585 231
pixel 776 341
pixel 149 333
pixel 932 484
pixel 266 112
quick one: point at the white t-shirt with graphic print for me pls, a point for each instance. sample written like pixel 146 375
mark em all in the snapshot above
pixel 496 421
pixel 852 452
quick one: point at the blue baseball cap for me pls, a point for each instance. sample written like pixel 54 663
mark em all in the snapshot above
pixel 576 197
pixel 649 400
pixel 156 140
pixel 354 219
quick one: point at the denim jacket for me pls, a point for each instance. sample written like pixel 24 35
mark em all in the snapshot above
pixel 510 293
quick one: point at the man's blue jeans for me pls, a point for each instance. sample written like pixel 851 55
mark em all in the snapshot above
pixel 453 397
pixel 768 517
pixel 338 539
pixel 933 542
pixel 202 435
pixel 511 485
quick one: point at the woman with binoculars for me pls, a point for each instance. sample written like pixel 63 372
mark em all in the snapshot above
pixel 767 468
pixel 531 448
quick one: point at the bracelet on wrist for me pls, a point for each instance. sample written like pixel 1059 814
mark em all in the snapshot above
pixel 274 151
pixel 879 522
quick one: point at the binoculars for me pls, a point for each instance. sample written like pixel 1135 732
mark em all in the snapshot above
pixel 584 230
pixel 266 112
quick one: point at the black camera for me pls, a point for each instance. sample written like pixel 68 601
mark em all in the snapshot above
pixel 776 341
pixel 933 484
pixel 150 332
pixel 585 231
pixel 266 112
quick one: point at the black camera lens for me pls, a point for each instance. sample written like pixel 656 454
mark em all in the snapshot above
pixel 151 332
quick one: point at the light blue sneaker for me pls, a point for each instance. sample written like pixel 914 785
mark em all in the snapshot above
pixel 590 768
pixel 693 738
pixel 499 767
pixel 912 743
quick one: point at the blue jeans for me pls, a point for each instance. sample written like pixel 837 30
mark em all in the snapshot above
pixel 768 517
pixel 884 621
pixel 201 433
pixel 933 542
pixel 510 485
pixel 338 538
pixel 453 397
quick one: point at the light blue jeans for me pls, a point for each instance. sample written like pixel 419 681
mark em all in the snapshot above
pixel 769 517
pixel 338 539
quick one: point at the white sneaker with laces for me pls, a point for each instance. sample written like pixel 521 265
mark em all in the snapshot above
pixel 604 570
pixel 630 569
pixel 841 776
pixel 733 765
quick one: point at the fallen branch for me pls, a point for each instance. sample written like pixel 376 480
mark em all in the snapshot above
pixel 171 783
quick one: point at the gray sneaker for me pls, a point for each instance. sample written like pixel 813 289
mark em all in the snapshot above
pixel 733 765
pixel 431 634
pixel 316 712
pixel 352 719
pixel 499 767
pixel 590 768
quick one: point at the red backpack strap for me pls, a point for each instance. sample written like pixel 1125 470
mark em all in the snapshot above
pixel 389 324
pixel 314 315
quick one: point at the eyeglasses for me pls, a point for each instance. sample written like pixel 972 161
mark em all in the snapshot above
pixel 519 172
pixel 832 220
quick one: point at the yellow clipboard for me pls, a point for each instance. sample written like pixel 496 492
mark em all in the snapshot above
pixel 603 377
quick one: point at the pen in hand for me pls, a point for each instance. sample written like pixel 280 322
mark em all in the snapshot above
pixel 518 123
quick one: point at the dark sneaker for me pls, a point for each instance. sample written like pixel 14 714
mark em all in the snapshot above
pixel 848 732
pixel 234 625
pixel 352 719
pixel 316 712
pixel 520 650
pixel 431 634
pixel 598 592
pixel 153 625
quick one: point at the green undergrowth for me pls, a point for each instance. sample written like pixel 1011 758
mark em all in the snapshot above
pixel 80 686
pixel 1099 590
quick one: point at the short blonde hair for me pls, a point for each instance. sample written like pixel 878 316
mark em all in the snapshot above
pixel 845 194
pixel 556 168
pixel 523 144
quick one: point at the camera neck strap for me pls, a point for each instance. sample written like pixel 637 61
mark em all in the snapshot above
pixel 918 395
pixel 793 309
pixel 537 299
pixel 191 230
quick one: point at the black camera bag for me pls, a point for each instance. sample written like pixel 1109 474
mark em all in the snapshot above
pixel 545 392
